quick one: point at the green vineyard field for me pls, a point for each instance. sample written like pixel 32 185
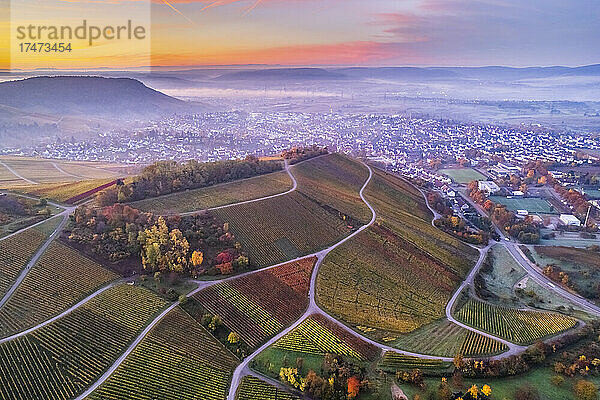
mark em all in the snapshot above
pixel 61 277
pixel 259 305
pixel 178 360
pixel 252 388
pixel 60 360
pixel 318 336
pixel 518 326
pixel 334 181
pixel 443 338
pixel 399 274
pixel 218 195
pixel 16 251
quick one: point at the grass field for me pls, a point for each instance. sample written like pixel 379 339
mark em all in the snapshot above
pixel 259 305
pixel 463 175
pixel 442 338
pixel 60 360
pixel 399 274
pixel 17 250
pixel 60 278
pixel 581 265
pixel 515 325
pixel 218 195
pixel 179 359
pixel 533 205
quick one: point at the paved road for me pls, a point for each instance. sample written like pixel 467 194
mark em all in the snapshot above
pixel 468 282
pixel 65 217
pixel 534 272
pixel 242 369
pixel 15 173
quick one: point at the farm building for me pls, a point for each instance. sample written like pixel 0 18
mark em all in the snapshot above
pixel 569 220
pixel 488 187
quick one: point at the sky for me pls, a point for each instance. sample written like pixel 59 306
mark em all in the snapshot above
pixel 318 32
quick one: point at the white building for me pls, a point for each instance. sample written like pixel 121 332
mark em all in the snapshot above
pixel 569 220
pixel 488 187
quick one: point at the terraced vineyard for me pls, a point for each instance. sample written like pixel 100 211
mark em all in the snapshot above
pixel 179 359
pixel 334 180
pixel 443 338
pixel 518 326
pixel 218 195
pixel 318 336
pixel 259 305
pixel 399 274
pixel 392 362
pixel 252 388
pixel 17 250
pixel 60 360
pixel 318 214
pixel 64 190
pixel 61 277
pixel 283 228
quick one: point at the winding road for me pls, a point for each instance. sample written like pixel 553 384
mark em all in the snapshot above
pixel 313 308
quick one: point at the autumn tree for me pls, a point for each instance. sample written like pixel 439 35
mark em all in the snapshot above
pixel 585 390
pixel 163 250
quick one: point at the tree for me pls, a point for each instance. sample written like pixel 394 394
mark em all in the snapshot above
pixel 353 387
pixel 197 258
pixel 585 390
pixel 233 338
pixel 527 392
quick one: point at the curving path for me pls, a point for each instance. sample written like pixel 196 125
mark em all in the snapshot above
pixel 62 171
pixel 512 347
pixel 15 173
pixel 294 187
pixel 243 369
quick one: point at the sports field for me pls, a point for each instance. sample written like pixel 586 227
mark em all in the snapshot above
pixel 463 175
pixel 533 205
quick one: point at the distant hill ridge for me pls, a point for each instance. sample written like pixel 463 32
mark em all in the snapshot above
pixel 408 73
pixel 87 95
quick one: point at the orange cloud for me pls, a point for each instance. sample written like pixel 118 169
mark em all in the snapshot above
pixel 349 53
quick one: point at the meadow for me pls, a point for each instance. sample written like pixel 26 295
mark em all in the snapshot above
pixel 179 359
pixel 60 278
pixel 463 175
pixel 217 195
pixel 532 205
pixel 60 360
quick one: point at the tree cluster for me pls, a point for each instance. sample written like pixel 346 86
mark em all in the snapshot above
pixel 297 154
pixel 166 177
pixel 190 246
